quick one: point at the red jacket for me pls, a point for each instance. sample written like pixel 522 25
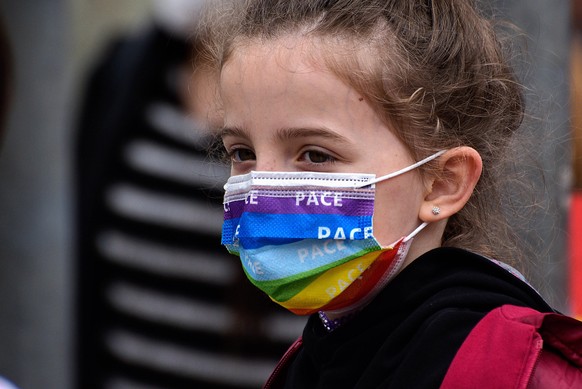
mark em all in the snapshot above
pixel 516 347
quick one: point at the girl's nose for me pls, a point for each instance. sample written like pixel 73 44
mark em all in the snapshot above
pixel 269 164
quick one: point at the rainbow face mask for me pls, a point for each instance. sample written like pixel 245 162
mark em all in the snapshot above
pixel 306 238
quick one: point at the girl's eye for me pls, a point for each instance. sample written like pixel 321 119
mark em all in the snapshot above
pixel 242 155
pixel 318 157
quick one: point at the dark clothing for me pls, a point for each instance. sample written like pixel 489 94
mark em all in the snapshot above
pixel 410 333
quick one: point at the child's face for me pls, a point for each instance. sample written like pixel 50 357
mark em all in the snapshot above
pixel 283 113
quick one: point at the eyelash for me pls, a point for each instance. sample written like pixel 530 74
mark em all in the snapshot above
pixel 306 156
pixel 329 159
pixel 232 154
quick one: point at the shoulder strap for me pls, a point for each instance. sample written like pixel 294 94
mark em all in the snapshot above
pixel 504 347
pixel 277 378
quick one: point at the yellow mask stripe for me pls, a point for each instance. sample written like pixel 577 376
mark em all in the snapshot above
pixel 330 284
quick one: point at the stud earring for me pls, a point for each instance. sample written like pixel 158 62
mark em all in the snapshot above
pixel 436 210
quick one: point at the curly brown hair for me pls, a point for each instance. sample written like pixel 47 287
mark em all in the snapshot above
pixel 436 70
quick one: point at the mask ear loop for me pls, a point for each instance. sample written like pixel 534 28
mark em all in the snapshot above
pixel 401 171
pixel 416 231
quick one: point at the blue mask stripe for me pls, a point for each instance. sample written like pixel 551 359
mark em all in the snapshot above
pixel 301 258
pixel 300 226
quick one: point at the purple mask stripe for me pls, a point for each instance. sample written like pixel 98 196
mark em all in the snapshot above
pixel 287 205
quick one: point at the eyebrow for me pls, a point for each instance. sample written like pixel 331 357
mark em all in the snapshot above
pixel 234 131
pixel 300 132
pixel 289 133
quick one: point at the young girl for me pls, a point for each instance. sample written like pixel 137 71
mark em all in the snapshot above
pixel 365 139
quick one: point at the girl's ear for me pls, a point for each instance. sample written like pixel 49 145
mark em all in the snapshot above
pixel 459 170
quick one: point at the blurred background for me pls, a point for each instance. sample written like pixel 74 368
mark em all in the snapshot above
pixel 55 45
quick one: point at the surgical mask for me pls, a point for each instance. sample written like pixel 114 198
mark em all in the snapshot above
pixel 306 238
